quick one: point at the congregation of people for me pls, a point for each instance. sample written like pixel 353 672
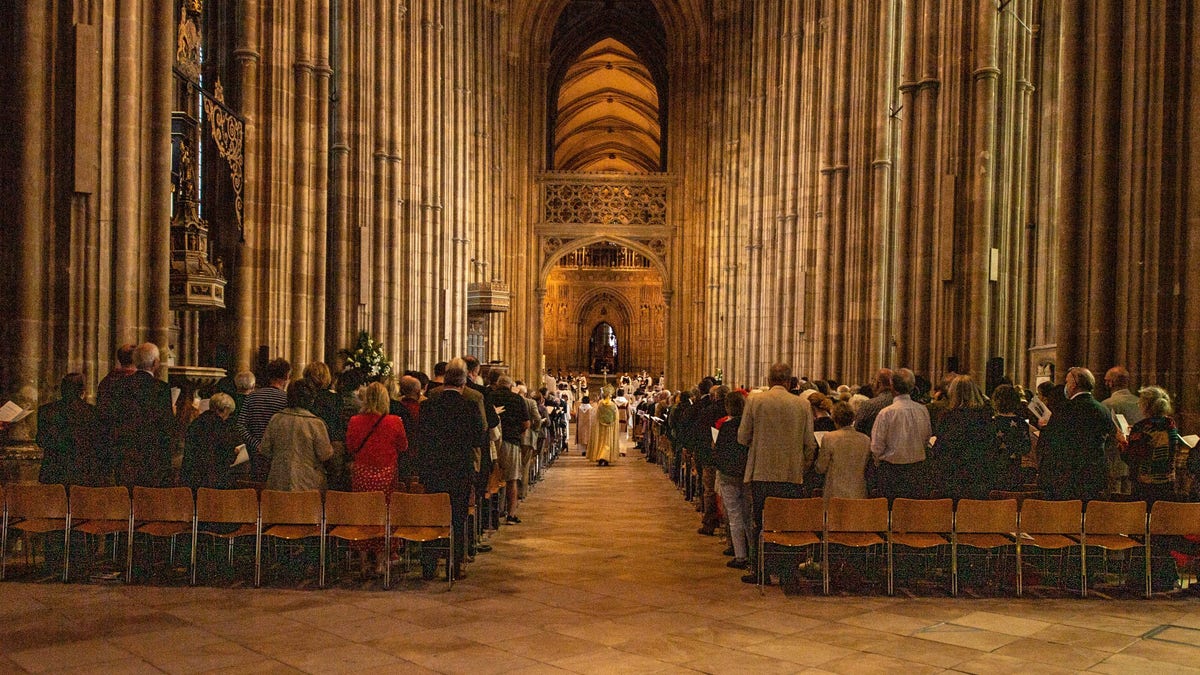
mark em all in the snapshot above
pixel 329 429
pixel 466 430
pixel 898 436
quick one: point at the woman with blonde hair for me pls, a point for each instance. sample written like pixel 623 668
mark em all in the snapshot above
pixel 374 439
pixel 1156 454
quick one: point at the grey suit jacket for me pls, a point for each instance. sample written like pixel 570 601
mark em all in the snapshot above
pixel 778 429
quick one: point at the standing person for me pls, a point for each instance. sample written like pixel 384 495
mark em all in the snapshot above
pixel 410 402
pixel 1120 399
pixel 604 441
pixel 124 369
pixel 1120 402
pixel 822 407
pixel 438 379
pixel 143 432
pixel 258 409
pixel 374 440
pixel 1013 444
pixel 1155 451
pixel 66 433
pixel 514 421
pixel 966 452
pixel 211 446
pixel 107 416
pixel 777 427
pixel 1074 465
pixel 898 439
pixel 244 381
pixel 884 394
pixel 843 457
pixel 328 405
pixel 296 444
pixel 698 439
pixel 529 438
pixel 729 458
pixel 449 430
pixel 584 424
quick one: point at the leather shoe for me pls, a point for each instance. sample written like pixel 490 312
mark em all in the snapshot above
pixel 483 548
pixel 512 520
pixel 728 551
pixel 738 563
pixel 752 578
pixel 706 531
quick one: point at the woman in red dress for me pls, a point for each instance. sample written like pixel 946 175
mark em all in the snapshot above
pixel 374 439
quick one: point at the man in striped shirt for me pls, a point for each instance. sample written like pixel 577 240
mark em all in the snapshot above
pixel 260 405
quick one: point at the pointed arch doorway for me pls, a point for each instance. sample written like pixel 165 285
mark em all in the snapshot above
pixel 604 308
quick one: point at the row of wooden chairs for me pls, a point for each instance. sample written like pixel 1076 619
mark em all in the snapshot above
pixel 269 514
pixel 978 524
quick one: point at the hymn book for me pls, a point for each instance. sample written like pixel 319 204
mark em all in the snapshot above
pixel 11 413
pixel 242 455
pixel 1040 410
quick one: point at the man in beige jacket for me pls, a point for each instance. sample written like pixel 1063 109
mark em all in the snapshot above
pixel 778 428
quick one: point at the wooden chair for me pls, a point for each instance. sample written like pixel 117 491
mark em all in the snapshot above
pixel 919 524
pixel 292 517
pixel 1050 525
pixel 424 518
pixel 228 507
pixel 1113 526
pixel 789 523
pixel 101 511
pixel 36 509
pixel 855 523
pixel 1019 495
pixel 162 513
pixel 1171 519
pixel 358 517
pixel 987 525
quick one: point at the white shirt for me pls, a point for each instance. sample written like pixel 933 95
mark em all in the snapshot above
pixel 901 432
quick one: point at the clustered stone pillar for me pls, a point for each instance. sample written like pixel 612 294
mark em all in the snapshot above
pixel 87 185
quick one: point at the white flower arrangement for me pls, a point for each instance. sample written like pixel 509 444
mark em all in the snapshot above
pixel 368 357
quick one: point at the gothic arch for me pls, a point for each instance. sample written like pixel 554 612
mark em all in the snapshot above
pixel 534 21
pixel 600 294
pixel 655 258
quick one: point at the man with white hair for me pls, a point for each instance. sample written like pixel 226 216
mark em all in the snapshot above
pixel 1073 464
pixel 141 436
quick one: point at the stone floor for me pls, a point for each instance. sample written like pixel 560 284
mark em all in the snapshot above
pixel 605 575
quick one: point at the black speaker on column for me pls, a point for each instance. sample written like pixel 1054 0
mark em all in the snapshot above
pixel 995 373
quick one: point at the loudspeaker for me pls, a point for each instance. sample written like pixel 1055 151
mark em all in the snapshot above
pixel 995 373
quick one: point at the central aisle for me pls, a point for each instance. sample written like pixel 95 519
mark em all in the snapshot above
pixel 621 530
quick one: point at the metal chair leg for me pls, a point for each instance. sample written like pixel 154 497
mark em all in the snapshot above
pixel 66 550
pixel 825 565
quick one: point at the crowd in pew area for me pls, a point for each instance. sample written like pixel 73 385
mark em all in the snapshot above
pixel 462 431
pixel 729 449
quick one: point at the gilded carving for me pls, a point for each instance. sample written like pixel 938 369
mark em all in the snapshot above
pixel 187 50
pixel 228 133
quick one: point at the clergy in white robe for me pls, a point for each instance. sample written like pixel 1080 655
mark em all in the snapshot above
pixel 604 441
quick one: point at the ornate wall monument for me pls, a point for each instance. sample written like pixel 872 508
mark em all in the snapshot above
pixel 837 183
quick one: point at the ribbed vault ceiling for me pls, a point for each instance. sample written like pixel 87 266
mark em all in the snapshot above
pixel 607 113
pixel 608 85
